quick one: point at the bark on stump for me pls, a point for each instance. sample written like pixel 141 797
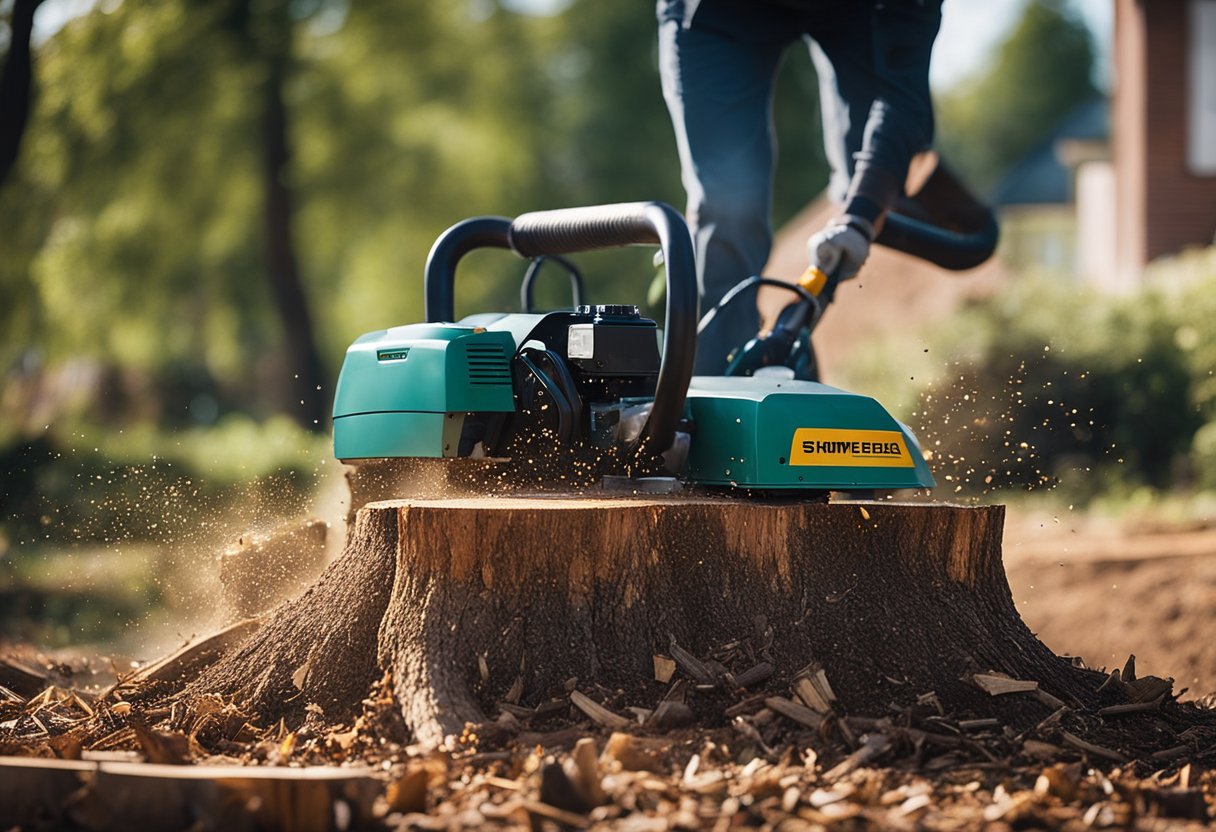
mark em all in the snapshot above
pixel 891 600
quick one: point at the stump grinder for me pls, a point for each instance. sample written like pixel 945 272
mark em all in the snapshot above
pixel 599 394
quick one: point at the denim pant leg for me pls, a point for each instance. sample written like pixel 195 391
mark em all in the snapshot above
pixel 719 93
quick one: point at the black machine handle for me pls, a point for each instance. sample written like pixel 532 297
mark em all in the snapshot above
pixel 570 230
pixel 527 289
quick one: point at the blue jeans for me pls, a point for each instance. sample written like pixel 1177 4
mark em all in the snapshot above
pixel 718 67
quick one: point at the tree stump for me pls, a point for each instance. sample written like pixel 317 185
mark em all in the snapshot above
pixel 475 601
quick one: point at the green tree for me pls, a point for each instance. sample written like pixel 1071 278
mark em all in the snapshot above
pixel 195 171
pixel 1037 76
pixel 15 82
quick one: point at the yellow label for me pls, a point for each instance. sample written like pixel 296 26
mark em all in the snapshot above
pixel 850 448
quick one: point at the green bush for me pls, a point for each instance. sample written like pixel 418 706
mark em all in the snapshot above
pixel 1054 385
pixel 91 484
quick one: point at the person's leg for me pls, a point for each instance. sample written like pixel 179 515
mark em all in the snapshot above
pixel 718 90
pixel 873 67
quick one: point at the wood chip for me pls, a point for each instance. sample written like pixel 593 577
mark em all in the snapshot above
pixel 752 676
pixel 669 715
pixel 884 726
pixel 696 669
pixel 1148 688
pixel 743 706
pixel 1090 748
pixel 873 746
pixel 1132 708
pixel 503 783
pixel 1048 700
pixel 585 758
pixel 1040 750
pixel 998 684
pixel 636 753
pixel 22 679
pixel 515 691
pixel 408 792
pixel 517 711
pixel 664 668
pixel 544 810
pixel 810 694
pixel 161 747
pixel 794 711
pixel 1053 718
pixel 598 713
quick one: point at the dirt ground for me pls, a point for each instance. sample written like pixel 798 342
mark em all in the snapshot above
pixel 1101 589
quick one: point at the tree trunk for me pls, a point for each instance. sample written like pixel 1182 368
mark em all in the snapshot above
pixel 473 602
pixel 307 402
pixel 16 79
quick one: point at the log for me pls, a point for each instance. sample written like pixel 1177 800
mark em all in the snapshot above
pixel 116 796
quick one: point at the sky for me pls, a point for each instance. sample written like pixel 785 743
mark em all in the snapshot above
pixel 971 29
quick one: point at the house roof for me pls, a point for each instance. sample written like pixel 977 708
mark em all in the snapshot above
pixel 1042 177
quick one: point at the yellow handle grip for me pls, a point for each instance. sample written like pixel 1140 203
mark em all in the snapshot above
pixel 813 280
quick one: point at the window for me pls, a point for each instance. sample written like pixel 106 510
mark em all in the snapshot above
pixel 1201 104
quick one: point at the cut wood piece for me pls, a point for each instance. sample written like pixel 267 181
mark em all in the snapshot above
pixel 1090 748
pixel 669 715
pixel 593 588
pixel 792 710
pixel 754 675
pixel 598 713
pixel 22 679
pixel 872 747
pixel 809 693
pixel 978 724
pixel 664 668
pixel 636 753
pixel 144 796
pixel 585 759
pixel 697 670
pixel 999 684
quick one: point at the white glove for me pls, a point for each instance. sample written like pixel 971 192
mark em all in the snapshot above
pixel 840 248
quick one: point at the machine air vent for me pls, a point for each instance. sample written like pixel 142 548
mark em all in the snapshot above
pixel 488 364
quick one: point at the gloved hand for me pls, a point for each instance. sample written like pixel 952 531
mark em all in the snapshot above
pixel 841 247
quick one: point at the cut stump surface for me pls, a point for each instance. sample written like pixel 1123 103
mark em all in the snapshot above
pixel 475 602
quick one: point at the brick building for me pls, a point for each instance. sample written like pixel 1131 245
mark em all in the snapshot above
pixel 1164 130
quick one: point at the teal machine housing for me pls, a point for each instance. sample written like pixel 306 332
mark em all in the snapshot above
pixel 406 391
pixel 752 432
pixel 423 390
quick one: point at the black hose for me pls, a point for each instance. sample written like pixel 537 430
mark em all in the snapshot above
pixel 747 283
pixel 954 250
